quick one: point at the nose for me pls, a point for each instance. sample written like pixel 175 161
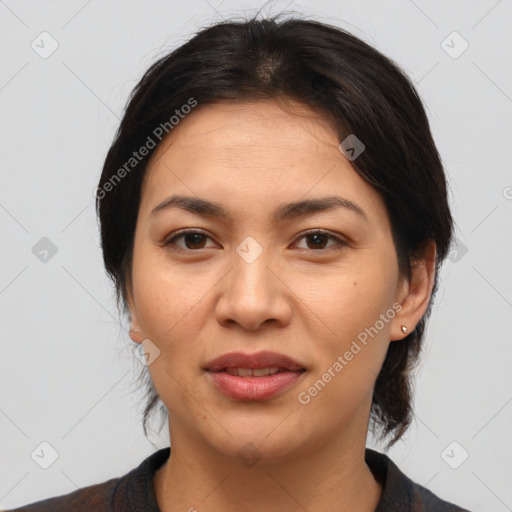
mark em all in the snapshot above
pixel 253 294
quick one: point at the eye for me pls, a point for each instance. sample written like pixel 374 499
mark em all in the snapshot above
pixel 192 239
pixel 319 238
pixel 195 240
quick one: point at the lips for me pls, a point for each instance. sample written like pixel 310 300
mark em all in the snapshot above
pixel 254 362
pixel 259 376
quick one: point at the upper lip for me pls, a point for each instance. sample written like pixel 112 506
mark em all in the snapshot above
pixel 263 359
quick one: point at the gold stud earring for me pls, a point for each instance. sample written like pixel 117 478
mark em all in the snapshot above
pixel 404 329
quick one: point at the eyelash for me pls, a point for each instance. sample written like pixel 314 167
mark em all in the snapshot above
pixel 340 242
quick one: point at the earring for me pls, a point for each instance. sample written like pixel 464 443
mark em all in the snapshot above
pixel 133 332
pixel 404 329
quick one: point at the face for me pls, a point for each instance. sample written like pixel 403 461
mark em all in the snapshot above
pixel 319 284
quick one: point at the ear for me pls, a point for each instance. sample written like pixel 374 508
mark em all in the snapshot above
pixel 414 293
pixel 135 330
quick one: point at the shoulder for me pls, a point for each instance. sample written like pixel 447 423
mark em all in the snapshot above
pixel 427 501
pixel 400 492
pixel 94 497
pixel 133 491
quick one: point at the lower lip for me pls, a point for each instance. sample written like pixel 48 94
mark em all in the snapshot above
pixel 254 388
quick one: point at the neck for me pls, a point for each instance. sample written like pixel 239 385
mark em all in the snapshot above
pixel 333 476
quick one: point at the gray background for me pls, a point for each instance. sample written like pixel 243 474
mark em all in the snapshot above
pixel 67 370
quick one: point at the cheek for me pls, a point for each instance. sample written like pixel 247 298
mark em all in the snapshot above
pixel 351 353
pixel 350 300
pixel 169 310
pixel 356 309
pixel 168 303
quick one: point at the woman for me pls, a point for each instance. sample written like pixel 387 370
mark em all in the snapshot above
pixel 273 214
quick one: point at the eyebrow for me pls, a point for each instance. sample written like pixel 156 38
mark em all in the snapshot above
pixel 284 211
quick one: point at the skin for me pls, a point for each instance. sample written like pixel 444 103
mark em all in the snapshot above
pixel 297 299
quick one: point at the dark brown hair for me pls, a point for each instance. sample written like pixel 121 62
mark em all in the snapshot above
pixel 336 74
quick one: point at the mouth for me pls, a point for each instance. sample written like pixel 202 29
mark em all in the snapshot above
pixel 259 376
pixel 256 372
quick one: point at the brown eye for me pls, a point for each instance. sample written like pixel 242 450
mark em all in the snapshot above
pixel 317 240
pixel 192 240
pixel 196 240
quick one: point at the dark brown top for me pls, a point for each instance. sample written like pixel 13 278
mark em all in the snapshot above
pixel 135 492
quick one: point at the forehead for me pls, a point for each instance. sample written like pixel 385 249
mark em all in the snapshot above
pixel 255 151
pixel 235 122
pixel 238 129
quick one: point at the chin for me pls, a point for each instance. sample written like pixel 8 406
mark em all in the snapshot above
pixel 265 440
